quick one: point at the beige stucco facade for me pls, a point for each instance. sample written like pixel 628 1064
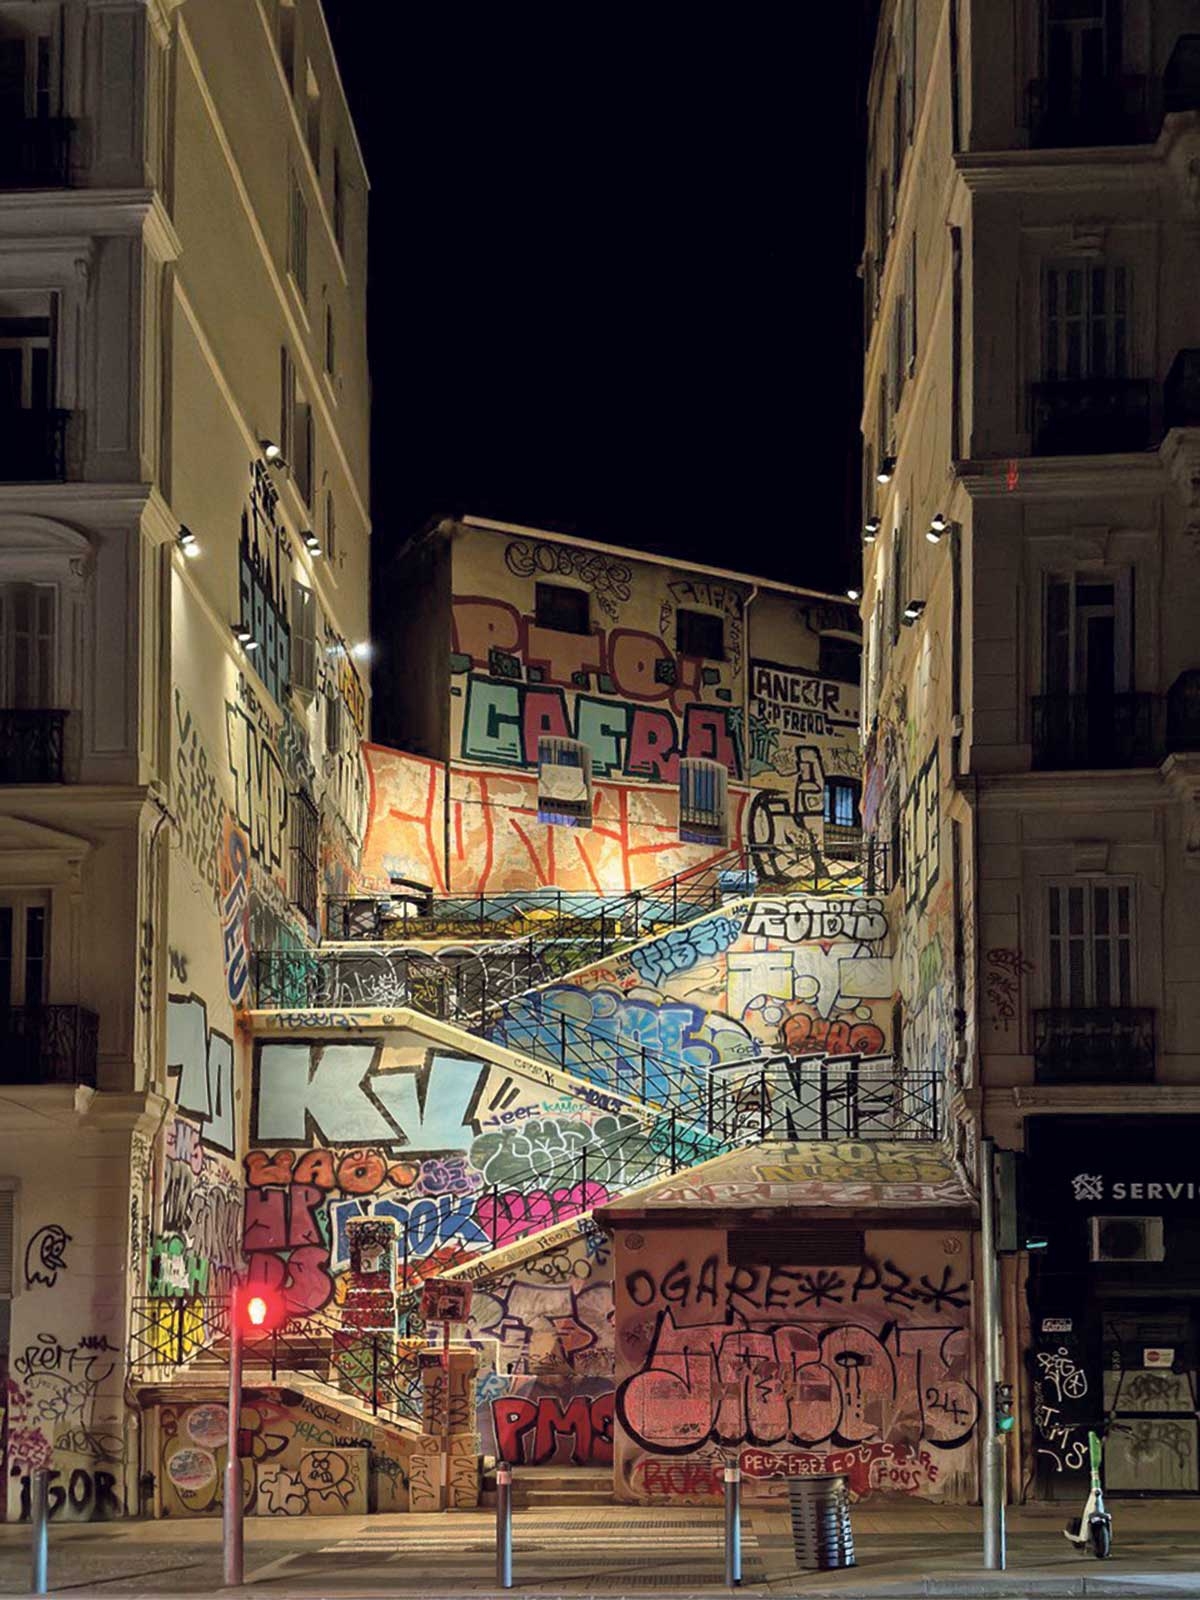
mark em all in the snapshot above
pixel 200 257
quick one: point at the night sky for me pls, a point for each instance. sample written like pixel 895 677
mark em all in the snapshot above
pixel 613 284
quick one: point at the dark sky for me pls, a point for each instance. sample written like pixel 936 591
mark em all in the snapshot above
pixel 613 273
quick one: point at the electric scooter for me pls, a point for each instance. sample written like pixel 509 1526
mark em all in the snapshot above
pixel 1092 1530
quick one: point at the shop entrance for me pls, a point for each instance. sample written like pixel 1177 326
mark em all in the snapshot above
pixel 1149 1356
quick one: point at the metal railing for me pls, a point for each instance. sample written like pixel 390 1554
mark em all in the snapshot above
pixel 1075 113
pixel 33 445
pixel 32 746
pixel 1094 416
pixel 48 1044
pixel 1183 712
pixel 375 1367
pixel 829 1097
pixel 35 152
pixel 1094 1044
pixel 1097 730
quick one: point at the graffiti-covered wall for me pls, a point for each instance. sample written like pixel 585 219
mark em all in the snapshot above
pixel 638 681
pixel 863 1369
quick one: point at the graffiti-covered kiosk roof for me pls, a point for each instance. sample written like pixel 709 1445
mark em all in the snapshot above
pixel 863 1180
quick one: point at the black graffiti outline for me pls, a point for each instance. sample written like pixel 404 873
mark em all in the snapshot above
pixel 44 1263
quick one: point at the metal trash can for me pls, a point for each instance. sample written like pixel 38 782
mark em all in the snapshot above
pixel 821 1532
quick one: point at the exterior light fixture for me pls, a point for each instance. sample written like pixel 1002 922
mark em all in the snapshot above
pixel 853 594
pixel 936 528
pixel 871 530
pixel 311 543
pixel 244 636
pixel 887 470
pixel 362 650
pixel 187 542
pixel 272 454
pixel 913 610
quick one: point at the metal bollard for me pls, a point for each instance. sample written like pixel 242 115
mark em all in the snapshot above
pixel 504 1526
pixel 39 1516
pixel 733 1527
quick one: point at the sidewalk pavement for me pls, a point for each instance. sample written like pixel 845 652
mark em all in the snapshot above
pixel 635 1552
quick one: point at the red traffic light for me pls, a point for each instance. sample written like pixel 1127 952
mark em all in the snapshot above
pixel 259 1310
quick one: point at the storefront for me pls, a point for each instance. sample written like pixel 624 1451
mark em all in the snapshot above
pixel 1114 1301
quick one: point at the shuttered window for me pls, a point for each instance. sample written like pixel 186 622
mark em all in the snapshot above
pixel 703 802
pixel 564 782
pixel 1091 945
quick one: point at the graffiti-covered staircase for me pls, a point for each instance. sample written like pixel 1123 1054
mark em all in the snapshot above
pixel 540 1057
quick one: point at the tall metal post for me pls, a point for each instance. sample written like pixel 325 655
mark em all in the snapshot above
pixel 504 1525
pixel 39 1517
pixel 733 1527
pixel 232 1510
pixel 992 1447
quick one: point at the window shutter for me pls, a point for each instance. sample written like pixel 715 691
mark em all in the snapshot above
pixel 564 782
pixel 703 801
pixel 7 1224
pixel 909 56
pixel 304 638
pixel 910 297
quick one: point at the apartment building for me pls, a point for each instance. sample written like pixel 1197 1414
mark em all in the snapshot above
pixel 589 718
pixel 183 600
pixel 1032 742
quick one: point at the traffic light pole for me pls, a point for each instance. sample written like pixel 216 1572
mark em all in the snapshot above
pixel 992 1446
pixel 234 1557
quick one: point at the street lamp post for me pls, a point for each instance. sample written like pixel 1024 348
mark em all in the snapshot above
pixel 992 1448
pixel 254 1310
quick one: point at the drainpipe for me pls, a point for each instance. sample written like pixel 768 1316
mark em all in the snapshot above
pixel 744 842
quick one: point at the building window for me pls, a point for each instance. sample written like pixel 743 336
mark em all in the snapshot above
pixel 1079 44
pixel 895 597
pixel 287 41
pixel 1091 945
pixel 339 202
pixel 330 525
pixel 25 364
pixel 312 116
pixel 26 77
pixel 304 836
pixel 700 634
pixel 840 658
pixel 330 342
pixel 1085 322
pixel 24 949
pixel 910 306
pixel 561 608
pixel 304 638
pixel 333 722
pixel 703 802
pixel 1088 635
pixel 298 241
pixel 28 646
pixel 564 783
pixel 841 802
pixel 296 428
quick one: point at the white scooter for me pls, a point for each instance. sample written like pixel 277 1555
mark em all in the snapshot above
pixel 1092 1530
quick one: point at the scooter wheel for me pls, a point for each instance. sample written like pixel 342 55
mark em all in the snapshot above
pixel 1100 1536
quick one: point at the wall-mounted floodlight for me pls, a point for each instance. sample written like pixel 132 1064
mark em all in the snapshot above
pixel 887 470
pixel 913 610
pixel 272 454
pixel 871 530
pixel 937 527
pixel 244 636
pixel 853 594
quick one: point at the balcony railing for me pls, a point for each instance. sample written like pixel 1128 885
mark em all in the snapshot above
pixel 35 153
pixel 1094 416
pixel 48 1044
pixel 33 445
pixel 1065 114
pixel 1183 712
pixel 1181 398
pixel 31 746
pixel 1102 1044
pixel 1076 731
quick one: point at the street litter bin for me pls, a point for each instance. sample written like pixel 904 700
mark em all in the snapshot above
pixel 821 1534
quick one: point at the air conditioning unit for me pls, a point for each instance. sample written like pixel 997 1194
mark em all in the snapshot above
pixel 1126 1239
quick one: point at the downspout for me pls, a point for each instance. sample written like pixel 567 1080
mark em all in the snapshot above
pixel 744 842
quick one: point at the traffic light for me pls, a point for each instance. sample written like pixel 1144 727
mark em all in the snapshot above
pixel 258 1309
pixel 1004 1408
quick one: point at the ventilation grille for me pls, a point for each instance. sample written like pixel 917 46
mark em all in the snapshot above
pixel 795 1247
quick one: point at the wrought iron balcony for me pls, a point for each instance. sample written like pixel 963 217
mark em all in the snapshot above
pixel 35 153
pixel 1076 731
pixel 843 843
pixel 48 1044
pixel 33 445
pixel 1102 1044
pixel 1066 114
pixel 1181 398
pixel 1094 416
pixel 31 746
pixel 1183 712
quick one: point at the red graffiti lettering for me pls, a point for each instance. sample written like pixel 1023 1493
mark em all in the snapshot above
pixel 801 1033
pixel 530 1432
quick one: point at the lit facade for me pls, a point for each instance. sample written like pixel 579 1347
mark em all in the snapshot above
pixel 183 278
pixel 1030 672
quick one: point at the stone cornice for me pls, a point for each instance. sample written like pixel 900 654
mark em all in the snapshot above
pixel 1061 477
pixel 1090 791
pixel 87 213
pixel 1125 1099
pixel 86 504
